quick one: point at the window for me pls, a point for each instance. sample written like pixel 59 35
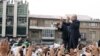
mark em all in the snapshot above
pixel 9 21
pixel 48 23
pixel 83 36
pixel 0 20
pixel 22 21
pixel 9 30
pixel 40 22
pixel 21 30
pixel 93 24
pixel 84 24
pixel 48 33
pixel 93 35
pixel 22 10
pixel 1 7
pixel 10 10
pixel 35 34
pixel 33 22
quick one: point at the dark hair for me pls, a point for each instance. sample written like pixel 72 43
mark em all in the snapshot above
pixel 21 52
pixel 81 46
pixel 99 43
pixel 23 47
pixel 83 55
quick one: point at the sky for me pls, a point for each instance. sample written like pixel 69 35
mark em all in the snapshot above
pixel 63 7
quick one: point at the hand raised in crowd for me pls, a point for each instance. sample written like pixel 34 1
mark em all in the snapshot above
pixel 45 51
pixel 29 51
pixel 19 51
pixel 61 51
pixel 88 51
pixel 4 47
pixel 94 50
pixel 52 52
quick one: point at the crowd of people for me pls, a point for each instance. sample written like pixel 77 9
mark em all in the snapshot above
pixel 48 50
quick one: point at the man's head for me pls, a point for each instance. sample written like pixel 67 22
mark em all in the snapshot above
pixel 67 19
pixel 74 17
pixel 61 19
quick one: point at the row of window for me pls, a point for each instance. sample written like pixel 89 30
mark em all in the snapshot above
pixel 92 35
pixel 51 33
pixel 51 22
pixel 21 21
pixel 9 30
pixel 48 33
pixel 47 23
pixel 45 33
pixel 22 10
pixel 90 24
pixel 20 30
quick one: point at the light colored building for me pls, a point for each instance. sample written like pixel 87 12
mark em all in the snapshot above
pixel 90 29
pixel 42 30
pixel 13 18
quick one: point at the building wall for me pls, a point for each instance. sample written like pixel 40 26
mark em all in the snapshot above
pixel 89 29
pixel 13 18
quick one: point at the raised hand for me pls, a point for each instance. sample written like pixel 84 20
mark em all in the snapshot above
pixel 29 51
pixel 4 47
pixel 52 52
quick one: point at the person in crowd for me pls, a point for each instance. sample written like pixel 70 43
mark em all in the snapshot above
pixel 20 41
pixel 29 51
pixel 63 27
pixel 52 53
pixel 74 32
pixel 12 41
pixel 26 43
pixel 94 49
pixel 61 51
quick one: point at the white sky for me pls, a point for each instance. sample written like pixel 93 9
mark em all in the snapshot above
pixel 62 7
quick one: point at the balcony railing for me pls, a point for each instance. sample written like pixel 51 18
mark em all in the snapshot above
pixel 48 37
pixel 42 27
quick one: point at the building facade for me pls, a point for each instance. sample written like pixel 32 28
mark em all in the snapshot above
pixel 13 18
pixel 42 29
pixel 90 29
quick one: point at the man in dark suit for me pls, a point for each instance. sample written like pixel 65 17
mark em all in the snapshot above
pixel 74 32
pixel 63 27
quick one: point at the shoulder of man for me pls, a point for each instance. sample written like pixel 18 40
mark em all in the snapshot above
pixel 76 21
